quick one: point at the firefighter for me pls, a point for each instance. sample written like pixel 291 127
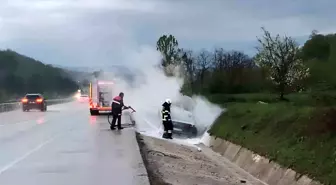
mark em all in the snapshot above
pixel 117 108
pixel 166 120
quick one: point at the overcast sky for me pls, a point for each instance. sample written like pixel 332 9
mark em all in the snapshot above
pixel 82 32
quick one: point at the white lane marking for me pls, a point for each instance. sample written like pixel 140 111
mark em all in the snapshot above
pixel 27 154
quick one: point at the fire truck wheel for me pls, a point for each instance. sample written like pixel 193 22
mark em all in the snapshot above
pixel 94 112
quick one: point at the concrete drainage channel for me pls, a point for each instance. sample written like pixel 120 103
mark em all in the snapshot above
pixel 169 162
pixel 256 165
pixel 219 162
pixel 154 178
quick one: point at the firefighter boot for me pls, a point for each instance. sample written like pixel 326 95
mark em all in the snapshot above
pixel 170 134
pixel 165 135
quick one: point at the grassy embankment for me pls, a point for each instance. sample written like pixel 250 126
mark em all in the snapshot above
pixel 299 134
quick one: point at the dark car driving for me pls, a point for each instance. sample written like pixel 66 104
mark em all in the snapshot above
pixel 34 101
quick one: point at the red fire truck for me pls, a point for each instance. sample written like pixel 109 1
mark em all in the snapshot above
pixel 100 96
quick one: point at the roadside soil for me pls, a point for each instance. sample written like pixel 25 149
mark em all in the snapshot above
pixel 170 163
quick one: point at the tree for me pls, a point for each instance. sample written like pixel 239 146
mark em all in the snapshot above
pixel 218 71
pixel 168 47
pixel 232 72
pixel 320 54
pixel 203 64
pixel 14 84
pixel 97 74
pixel 317 47
pixel 34 84
pixel 8 63
pixel 313 34
pixel 85 83
pixel 280 56
pixel 188 69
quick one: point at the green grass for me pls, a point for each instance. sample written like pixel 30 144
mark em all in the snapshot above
pixel 293 134
pixel 309 99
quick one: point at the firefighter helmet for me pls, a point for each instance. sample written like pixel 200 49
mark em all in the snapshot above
pixel 168 101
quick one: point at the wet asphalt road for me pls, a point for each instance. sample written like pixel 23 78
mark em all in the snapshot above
pixel 67 146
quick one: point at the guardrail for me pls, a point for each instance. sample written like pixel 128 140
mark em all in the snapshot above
pixel 6 107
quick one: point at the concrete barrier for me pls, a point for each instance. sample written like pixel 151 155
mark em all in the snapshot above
pixel 6 107
pixel 258 166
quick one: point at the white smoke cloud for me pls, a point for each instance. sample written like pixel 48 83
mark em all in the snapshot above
pixel 153 87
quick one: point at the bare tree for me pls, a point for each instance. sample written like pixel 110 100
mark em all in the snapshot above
pixel 219 59
pixel 203 63
pixel 216 71
pixel 189 67
pixel 313 34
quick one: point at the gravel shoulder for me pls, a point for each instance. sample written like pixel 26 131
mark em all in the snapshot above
pixel 176 164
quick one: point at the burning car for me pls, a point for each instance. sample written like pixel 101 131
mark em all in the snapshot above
pixel 184 122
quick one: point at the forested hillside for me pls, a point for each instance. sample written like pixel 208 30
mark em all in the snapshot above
pixel 20 74
pixel 281 103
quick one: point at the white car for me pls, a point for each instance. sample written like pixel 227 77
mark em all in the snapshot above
pixel 183 121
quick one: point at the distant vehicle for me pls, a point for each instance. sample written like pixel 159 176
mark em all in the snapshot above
pixel 83 98
pixel 184 122
pixel 34 101
pixel 100 96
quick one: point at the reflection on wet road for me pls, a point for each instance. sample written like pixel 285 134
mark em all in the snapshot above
pixel 65 145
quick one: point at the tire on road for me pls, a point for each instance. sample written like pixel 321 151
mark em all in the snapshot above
pixel 44 109
pixel 94 112
pixel 109 118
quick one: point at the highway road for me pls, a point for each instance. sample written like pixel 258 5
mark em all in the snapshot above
pixel 64 146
